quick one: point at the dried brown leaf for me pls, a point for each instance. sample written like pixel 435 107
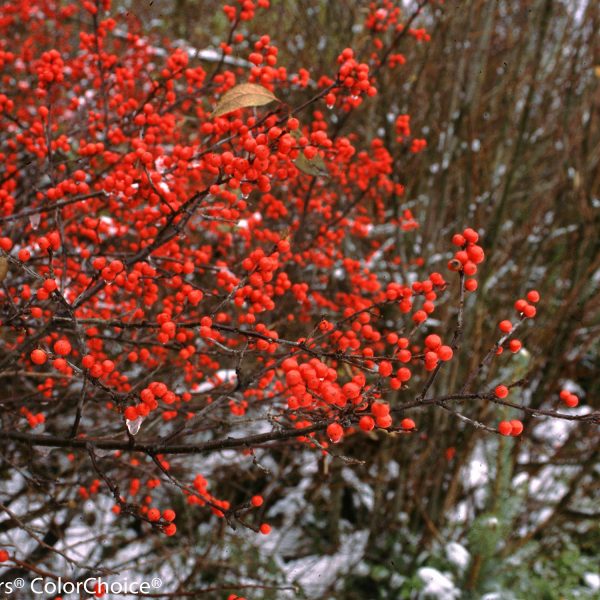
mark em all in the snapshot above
pixel 242 96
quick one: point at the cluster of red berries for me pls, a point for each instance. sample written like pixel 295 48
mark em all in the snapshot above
pixel 50 68
pixel 262 269
pixel 204 497
pixel 514 427
pixel 526 310
pixel 246 9
pixel 46 290
pixel 525 307
pixel 168 516
pixel 383 16
pixel 91 490
pixel 468 257
pixel 402 127
pixel 354 79
pixel 436 351
pixel 149 397
pixel 32 419
pixel 418 145
pixel 570 399
pixel 313 379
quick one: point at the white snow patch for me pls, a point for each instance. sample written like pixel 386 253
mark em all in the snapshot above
pixel 437 584
pixel 476 473
pixel 592 580
pixel 223 376
pixel 458 555
pixel 318 572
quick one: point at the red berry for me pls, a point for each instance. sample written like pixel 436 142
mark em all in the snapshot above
pixel 445 353
pixel 131 413
pixel 265 529
pixel 351 390
pixel 533 296
pixel 419 316
pixel 168 515
pixel 571 400
pixel 505 326
pixel 50 285
pixel 153 514
pixel 289 364
pixel 471 235
pixel 366 423
pixel 293 378
pixel 62 347
pixel 38 357
pixel 470 268
pixel 4 556
pixel 256 501
pixel 458 240
pixel 517 427
pixel 515 345
pixel 87 361
pixel 380 409
pixel 384 421
pixel 335 432
pixel 564 394
pixel 520 305
pixel 501 391
pixel 403 374
pixel 476 254
pixel 505 427
pixel 433 341
pixel 407 424
pixel 385 368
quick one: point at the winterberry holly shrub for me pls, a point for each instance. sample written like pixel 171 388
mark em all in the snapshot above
pixel 200 259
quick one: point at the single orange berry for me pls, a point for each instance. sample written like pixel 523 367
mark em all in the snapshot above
pixel 169 515
pixel 366 423
pixel 335 432
pixel 517 427
pixel 445 353
pixel 38 357
pixel 62 347
pixel 515 345
pixel 505 427
pixel 154 514
pixel 131 413
pixel 501 391
pixel 385 368
pixel 265 529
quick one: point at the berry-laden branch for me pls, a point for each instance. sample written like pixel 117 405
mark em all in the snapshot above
pixel 197 264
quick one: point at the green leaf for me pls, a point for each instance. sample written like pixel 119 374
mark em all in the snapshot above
pixel 314 166
pixel 242 96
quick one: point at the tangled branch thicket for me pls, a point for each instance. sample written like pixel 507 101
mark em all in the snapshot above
pixel 301 300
